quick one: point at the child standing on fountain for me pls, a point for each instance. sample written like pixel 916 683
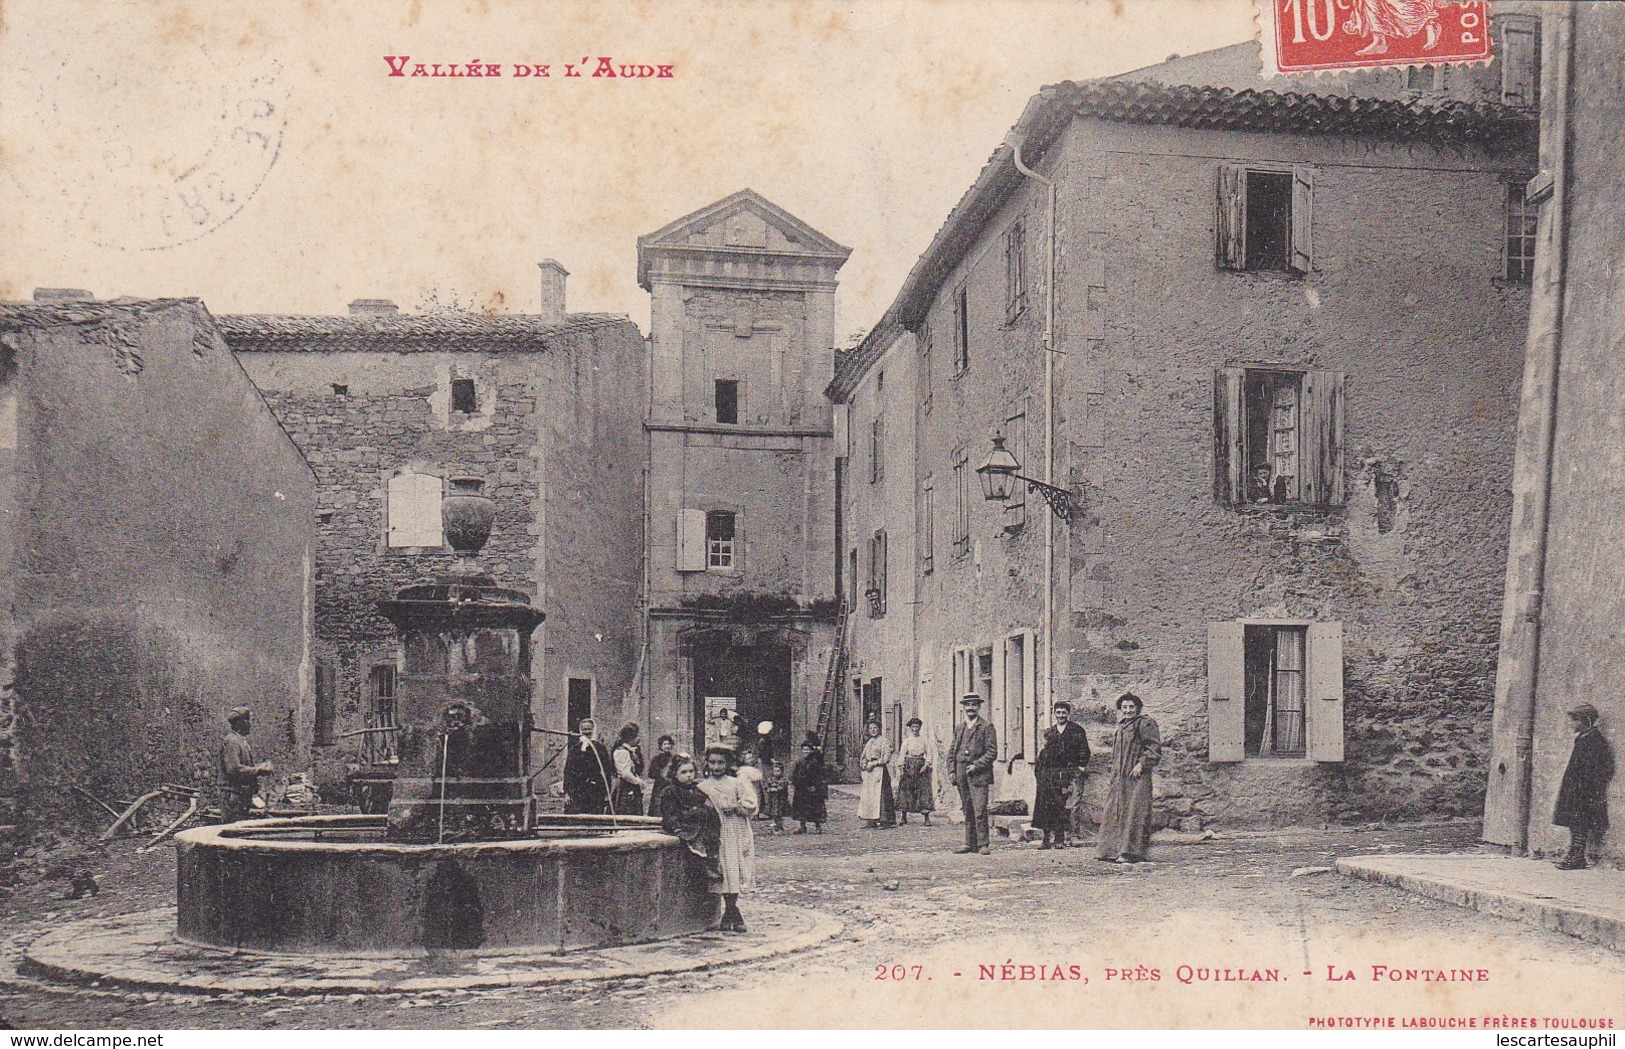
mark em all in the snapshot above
pixel 735 802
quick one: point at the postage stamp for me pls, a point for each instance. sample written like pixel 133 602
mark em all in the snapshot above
pixel 1305 36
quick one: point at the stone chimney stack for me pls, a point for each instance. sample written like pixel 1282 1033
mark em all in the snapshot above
pixel 373 308
pixel 553 276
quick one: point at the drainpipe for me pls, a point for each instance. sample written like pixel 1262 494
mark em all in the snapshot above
pixel 1016 140
pixel 1508 803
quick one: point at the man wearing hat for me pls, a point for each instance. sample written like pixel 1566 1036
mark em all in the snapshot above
pixel 1582 799
pixel 970 767
pixel 1062 762
pixel 239 772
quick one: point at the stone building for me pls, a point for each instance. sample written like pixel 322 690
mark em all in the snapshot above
pixel 155 570
pixel 741 557
pixel 545 409
pixel 1560 637
pixel 1267 338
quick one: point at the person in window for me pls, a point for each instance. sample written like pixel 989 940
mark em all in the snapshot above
pixel 1125 826
pixel 1060 769
pixel 735 802
pixel 586 773
pixel 239 772
pixel 1259 488
pixel 659 769
pixel 1582 798
pixel 914 779
pixel 627 797
pixel 809 788
pixel 875 806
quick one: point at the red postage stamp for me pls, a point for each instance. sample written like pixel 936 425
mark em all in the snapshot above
pixel 1305 36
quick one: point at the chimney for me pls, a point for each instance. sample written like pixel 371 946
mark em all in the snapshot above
pixel 63 295
pixel 553 275
pixel 373 308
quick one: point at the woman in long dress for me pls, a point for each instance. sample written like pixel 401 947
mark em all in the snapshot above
pixel 809 785
pixel 626 799
pixel 914 782
pixel 735 802
pixel 1125 826
pixel 875 803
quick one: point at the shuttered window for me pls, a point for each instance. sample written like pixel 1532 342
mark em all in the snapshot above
pixel 1265 218
pixel 1275 690
pixel 877 575
pixel 414 510
pixel 1278 437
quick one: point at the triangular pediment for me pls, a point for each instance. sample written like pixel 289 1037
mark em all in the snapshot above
pixel 743 223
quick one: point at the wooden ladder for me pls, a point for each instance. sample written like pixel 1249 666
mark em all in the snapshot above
pixel 829 719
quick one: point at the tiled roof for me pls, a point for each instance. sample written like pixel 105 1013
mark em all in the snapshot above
pixel 1181 105
pixel 402 333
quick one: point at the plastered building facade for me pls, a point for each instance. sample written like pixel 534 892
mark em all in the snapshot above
pixel 1287 333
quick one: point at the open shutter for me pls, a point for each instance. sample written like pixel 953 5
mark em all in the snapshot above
pixel 1321 447
pixel 1323 706
pixel 691 540
pixel 1232 219
pixel 1226 693
pixel 880 568
pixel 1303 217
pixel 998 701
pixel 1229 433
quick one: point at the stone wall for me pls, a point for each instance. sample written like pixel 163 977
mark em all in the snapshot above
pixel 1405 298
pixel 161 552
pixel 557 441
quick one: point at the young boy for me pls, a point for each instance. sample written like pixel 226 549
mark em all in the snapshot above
pixel 1582 799
pixel 775 796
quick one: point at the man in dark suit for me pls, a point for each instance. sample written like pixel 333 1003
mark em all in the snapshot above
pixel 1582 797
pixel 970 767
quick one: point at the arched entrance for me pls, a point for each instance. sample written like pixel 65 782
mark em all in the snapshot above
pixel 750 674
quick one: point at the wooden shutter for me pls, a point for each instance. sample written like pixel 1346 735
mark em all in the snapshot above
pixel 1303 217
pixel 1000 700
pixel 1321 442
pixel 1226 693
pixel 1232 218
pixel 1229 435
pixel 414 510
pixel 1323 705
pixel 691 540
pixel 880 567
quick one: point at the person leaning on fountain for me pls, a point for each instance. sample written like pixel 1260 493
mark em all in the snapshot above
pixel 586 773
pixel 239 772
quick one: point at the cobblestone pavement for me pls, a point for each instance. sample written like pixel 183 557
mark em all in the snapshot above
pixel 1219 932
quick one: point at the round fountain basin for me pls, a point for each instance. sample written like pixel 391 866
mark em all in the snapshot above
pixel 332 884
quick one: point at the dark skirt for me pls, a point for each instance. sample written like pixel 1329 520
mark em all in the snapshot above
pixel 628 800
pixel 1049 807
pixel 888 807
pixel 914 787
pixel 808 805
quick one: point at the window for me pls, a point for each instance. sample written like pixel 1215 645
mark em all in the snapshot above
pixel 876 589
pixel 1278 437
pixel 379 743
pixel 1522 219
pixel 1015 270
pixel 1013 699
pixel 1265 216
pixel 326 703
pixel 719 539
pixel 1275 690
pixel 463 397
pixel 927 527
pixel 1427 78
pixel 414 510
pixel 852 580
pixel 961 330
pixel 577 702
pixel 872 701
pixel 1520 61
pixel 877 447
pixel 925 369
pixel 727 401
pixel 341 390
pixel 962 494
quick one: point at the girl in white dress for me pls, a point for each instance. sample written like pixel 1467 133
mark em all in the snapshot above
pixel 735 802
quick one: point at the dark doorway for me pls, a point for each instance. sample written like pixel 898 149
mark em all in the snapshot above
pixel 757 680
pixel 579 702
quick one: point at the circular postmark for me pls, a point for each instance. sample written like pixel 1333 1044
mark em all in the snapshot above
pixel 142 150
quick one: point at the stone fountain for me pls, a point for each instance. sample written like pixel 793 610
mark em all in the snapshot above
pixel 462 861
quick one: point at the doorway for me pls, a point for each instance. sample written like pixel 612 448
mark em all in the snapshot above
pixel 757 678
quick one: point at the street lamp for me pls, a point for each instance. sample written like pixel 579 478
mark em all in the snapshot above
pixel 1002 469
